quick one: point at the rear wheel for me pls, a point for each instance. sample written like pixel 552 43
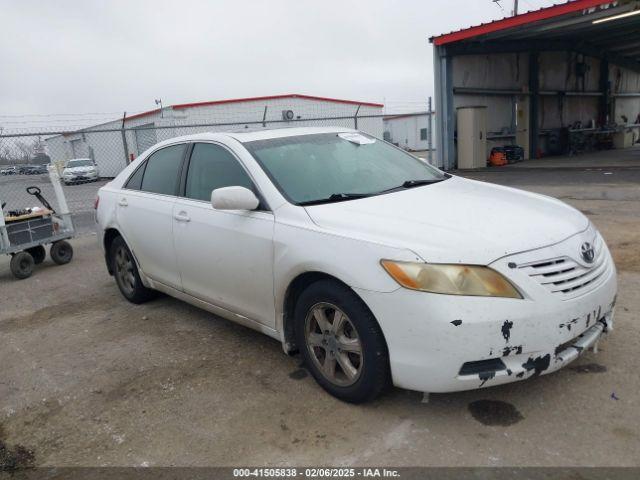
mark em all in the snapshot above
pixel 22 265
pixel 38 253
pixel 124 269
pixel 61 252
pixel 341 342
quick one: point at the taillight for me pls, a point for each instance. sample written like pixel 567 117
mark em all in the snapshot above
pixel 96 202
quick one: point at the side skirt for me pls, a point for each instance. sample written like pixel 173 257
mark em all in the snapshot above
pixel 216 310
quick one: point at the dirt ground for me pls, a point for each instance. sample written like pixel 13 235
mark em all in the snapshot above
pixel 88 379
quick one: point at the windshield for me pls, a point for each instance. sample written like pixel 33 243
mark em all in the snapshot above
pixel 315 168
pixel 79 163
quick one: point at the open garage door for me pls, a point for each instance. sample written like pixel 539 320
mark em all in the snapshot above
pixel 563 80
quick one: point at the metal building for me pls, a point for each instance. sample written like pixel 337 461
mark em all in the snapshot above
pixel 112 145
pixel 545 77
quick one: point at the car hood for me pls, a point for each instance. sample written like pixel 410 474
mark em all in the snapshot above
pixel 454 221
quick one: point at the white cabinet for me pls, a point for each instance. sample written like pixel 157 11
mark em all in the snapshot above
pixel 472 137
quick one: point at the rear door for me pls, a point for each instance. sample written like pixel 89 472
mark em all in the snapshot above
pixel 145 209
pixel 225 257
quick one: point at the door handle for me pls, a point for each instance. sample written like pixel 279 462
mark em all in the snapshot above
pixel 182 217
pixel 123 202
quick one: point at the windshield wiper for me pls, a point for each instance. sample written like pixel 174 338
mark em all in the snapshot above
pixel 417 183
pixel 343 197
pixel 336 197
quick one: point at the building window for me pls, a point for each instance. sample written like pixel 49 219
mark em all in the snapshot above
pixel 423 134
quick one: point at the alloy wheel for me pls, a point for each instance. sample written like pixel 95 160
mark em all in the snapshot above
pixel 125 270
pixel 334 344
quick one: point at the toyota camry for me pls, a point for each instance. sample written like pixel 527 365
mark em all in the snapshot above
pixel 377 267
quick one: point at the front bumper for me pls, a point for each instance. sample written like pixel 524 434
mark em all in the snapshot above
pixel 430 337
pixel 80 177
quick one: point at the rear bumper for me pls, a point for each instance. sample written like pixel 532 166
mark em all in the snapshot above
pixel 430 337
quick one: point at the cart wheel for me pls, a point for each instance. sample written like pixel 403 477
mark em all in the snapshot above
pixel 61 252
pixel 38 253
pixel 22 265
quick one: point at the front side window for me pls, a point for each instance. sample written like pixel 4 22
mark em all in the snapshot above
pixel 161 171
pixel 212 166
pixel 328 167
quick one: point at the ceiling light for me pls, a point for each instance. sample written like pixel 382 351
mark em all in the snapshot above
pixel 616 17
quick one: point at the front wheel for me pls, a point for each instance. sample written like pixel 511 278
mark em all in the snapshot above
pixel 22 265
pixel 341 342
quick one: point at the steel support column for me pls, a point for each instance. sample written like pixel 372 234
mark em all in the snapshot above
pixel 605 101
pixel 445 119
pixel 534 104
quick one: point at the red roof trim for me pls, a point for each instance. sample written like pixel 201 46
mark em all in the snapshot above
pixel 143 114
pixel 255 99
pixel 524 19
pixel 275 97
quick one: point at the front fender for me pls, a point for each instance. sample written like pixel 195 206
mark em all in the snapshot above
pixel 299 249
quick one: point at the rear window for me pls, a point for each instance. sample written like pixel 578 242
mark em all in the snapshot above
pixel 162 169
pixel 135 180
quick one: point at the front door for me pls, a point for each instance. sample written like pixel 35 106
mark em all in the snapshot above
pixel 225 257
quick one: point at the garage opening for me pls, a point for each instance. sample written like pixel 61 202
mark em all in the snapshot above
pixel 560 83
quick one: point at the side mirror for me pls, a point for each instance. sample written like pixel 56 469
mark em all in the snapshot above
pixel 234 198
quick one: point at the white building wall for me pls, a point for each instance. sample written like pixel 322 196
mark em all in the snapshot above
pixel 108 150
pixel 405 131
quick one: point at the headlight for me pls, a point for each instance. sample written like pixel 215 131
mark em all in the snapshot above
pixel 470 280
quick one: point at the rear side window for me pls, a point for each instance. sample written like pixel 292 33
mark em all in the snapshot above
pixel 211 167
pixel 161 172
pixel 135 180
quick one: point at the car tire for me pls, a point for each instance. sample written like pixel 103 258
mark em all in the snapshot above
pixel 61 252
pixel 341 342
pixel 38 253
pixel 125 271
pixel 22 265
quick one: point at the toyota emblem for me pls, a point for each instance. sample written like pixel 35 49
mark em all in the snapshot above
pixel 587 252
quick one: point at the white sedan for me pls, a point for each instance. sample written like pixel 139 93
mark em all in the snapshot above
pixel 80 170
pixel 375 266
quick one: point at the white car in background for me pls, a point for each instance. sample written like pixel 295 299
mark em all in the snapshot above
pixel 374 265
pixel 80 170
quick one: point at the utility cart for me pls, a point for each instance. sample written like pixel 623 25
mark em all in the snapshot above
pixel 25 232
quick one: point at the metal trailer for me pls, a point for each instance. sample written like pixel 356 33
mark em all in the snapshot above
pixel 24 237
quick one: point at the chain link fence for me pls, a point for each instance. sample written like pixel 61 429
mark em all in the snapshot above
pixel 87 158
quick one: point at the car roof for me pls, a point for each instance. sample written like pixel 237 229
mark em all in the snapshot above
pixel 253 135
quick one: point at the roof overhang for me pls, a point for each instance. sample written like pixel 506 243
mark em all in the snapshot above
pixel 599 28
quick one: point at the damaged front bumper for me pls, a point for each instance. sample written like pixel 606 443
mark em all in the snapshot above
pixel 442 343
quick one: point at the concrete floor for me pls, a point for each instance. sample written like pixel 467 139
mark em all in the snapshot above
pixel 628 157
pixel 89 379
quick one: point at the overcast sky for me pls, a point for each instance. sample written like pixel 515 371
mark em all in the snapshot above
pixel 88 57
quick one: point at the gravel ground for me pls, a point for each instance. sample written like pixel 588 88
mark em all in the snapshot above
pixel 89 379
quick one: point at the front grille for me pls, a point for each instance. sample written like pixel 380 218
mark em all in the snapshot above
pixel 567 278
